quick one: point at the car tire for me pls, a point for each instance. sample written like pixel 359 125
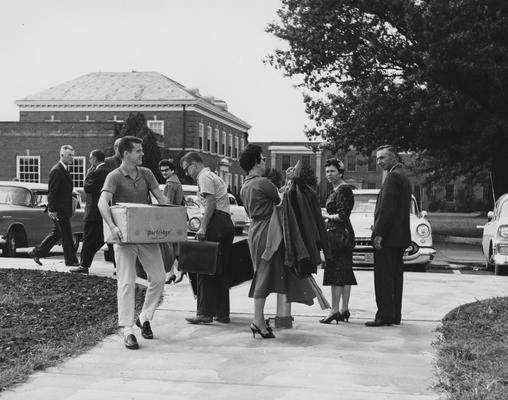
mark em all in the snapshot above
pixel 239 231
pixel 11 244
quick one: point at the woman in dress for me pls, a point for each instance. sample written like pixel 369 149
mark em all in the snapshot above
pixel 339 265
pixel 259 196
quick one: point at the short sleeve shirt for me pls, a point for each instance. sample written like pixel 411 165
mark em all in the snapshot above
pixel 212 184
pixel 128 190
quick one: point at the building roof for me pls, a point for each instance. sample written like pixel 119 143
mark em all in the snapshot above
pixel 101 88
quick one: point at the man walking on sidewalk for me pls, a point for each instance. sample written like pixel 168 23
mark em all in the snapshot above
pixel 132 183
pixel 390 237
pixel 93 235
pixel 60 210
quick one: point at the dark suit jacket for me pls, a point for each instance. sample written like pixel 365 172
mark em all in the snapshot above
pixel 391 217
pixel 112 162
pixel 93 186
pixel 60 191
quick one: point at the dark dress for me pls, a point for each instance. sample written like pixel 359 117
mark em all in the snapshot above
pixel 339 265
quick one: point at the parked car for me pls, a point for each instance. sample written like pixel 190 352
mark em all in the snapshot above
pixel 238 213
pixel 495 237
pixel 23 222
pixel 419 253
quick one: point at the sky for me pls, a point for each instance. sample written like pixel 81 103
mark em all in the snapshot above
pixel 217 46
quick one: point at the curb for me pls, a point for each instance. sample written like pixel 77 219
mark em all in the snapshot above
pixel 456 239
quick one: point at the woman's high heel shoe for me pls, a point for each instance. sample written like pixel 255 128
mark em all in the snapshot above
pixel 180 278
pixel 345 316
pixel 268 335
pixel 334 317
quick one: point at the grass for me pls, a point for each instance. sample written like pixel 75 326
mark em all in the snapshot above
pixel 472 351
pixel 46 317
pixel 450 225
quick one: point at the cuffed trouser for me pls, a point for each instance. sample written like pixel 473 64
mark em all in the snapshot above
pixel 388 282
pixel 213 290
pixel 61 231
pixel 93 240
pixel 151 259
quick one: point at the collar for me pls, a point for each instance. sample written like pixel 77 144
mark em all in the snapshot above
pixel 395 166
pixel 98 165
pixel 65 166
pixel 173 178
pixel 206 169
pixel 126 173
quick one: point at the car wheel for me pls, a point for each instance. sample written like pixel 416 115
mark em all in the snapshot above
pixel 239 231
pixel 11 244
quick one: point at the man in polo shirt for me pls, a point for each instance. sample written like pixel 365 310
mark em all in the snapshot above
pixel 132 183
pixel 216 226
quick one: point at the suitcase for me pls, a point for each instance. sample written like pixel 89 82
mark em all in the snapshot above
pixel 199 257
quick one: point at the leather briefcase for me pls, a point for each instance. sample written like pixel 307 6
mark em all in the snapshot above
pixel 199 257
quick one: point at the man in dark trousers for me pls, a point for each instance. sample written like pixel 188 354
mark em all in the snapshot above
pixel 390 237
pixel 60 209
pixel 93 236
pixel 112 163
pixel 216 226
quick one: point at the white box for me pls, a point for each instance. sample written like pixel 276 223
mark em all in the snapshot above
pixel 147 223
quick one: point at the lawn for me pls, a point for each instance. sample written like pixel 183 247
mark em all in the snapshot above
pixel 47 316
pixel 472 351
pixel 456 225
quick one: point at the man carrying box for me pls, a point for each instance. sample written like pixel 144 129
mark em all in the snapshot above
pixel 132 183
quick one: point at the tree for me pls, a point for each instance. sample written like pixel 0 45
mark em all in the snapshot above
pixel 135 125
pixel 308 176
pixel 430 77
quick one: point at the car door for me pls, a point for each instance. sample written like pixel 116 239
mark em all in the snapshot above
pixel 39 224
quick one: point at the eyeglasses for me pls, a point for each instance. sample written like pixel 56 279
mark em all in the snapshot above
pixel 164 169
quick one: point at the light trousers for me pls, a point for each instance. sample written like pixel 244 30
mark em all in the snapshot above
pixel 151 259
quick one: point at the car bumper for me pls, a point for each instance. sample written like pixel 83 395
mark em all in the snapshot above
pixel 364 256
pixel 500 259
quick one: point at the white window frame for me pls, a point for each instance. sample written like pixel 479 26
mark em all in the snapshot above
pixel 236 150
pixel 242 144
pixel 223 145
pixel 235 180
pixel 76 178
pixel 150 123
pixel 208 147
pixel 241 182
pixel 230 146
pixel 216 142
pixel 19 172
pixel 202 135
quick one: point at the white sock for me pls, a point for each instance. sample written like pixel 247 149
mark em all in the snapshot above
pixel 128 330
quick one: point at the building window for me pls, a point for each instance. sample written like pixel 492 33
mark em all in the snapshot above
pixel 236 147
pixel 77 171
pixel 216 142
pixel 286 162
pixel 418 193
pixel 372 164
pixel 208 138
pixel 242 144
pixel 28 168
pixel 230 145
pixel 371 185
pixel 156 126
pixel 235 183
pixel 486 195
pixel 241 181
pixel 201 136
pixel 223 144
pixel 306 160
pixel 450 192
pixel 351 163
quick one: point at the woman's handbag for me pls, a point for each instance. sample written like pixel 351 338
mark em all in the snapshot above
pixel 199 257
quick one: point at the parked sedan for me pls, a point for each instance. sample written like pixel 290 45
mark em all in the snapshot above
pixel 419 253
pixel 23 222
pixel 495 237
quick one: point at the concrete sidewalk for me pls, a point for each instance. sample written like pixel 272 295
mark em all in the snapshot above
pixel 310 361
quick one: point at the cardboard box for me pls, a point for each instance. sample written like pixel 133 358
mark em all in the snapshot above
pixel 147 223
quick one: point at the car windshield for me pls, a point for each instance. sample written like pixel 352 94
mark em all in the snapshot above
pixel 366 203
pixel 14 196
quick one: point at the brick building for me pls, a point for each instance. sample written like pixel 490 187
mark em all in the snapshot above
pixel 83 111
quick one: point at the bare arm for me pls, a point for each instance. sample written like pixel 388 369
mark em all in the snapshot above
pixel 105 211
pixel 160 196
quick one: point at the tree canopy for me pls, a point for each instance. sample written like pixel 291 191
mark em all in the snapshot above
pixel 430 77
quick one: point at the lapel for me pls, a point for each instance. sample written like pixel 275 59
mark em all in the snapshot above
pixel 65 173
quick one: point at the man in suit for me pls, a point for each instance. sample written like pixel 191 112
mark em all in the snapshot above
pixel 390 237
pixel 93 236
pixel 60 209
pixel 112 163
